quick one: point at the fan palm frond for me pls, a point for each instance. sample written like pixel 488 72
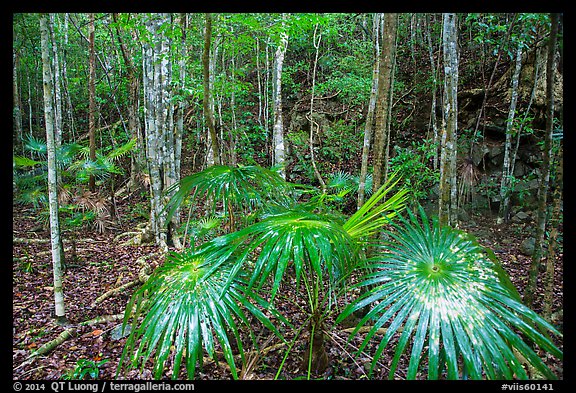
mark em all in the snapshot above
pixel 122 150
pixel 35 146
pixel 307 242
pixel 434 287
pixel 243 186
pixel 374 215
pixel 340 180
pixel 186 312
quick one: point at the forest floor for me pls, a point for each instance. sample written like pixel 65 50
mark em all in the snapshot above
pixel 104 264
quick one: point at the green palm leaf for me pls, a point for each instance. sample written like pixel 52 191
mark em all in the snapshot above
pixel 186 312
pixel 309 242
pixel 435 287
pixel 377 211
pixel 243 186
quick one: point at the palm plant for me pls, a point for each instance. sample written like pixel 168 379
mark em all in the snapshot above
pixel 242 188
pixel 434 286
pixel 75 169
pixel 186 311
pixel 317 251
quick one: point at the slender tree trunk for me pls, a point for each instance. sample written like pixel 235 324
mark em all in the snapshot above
pixel 508 157
pixel 182 102
pixel 368 127
pixel 312 122
pixel 545 168
pixel 30 107
pixel 489 86
pixel 389 116
pixel 66 92
pixel 234 129
pixel 433 123
pixel 278 128
pixel 526 113
pixel 552 240
pixel 17 105
pixel 138 161
pixel 92 99
pixel 261 88
pixel 56 242
pixel 387 56
pixel 174 138
pixel 57 84
pixel 208 111
pixel 267 99
pixel 448 191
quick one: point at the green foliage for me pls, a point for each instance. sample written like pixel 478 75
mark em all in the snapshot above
pixel 353 89
pixel 373 215
pixel 341 142
pixel 84 368
pixel 76 206
pixel 435 287
pixel 412 164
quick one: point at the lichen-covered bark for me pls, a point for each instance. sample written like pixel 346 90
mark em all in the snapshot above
pixel 530 290
pixel 57 252
pixel 278 128
pixel 447 211
pixel 214 154
pixel 161 139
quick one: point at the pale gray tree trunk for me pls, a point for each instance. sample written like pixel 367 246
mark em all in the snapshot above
pixel 160 139
pixel 17 114
pixel 30 107
pixel 508 157
pixel 214 152
pixel 433 68
pixel 57 84
pixel 278 128
pixel 267 96
pixel 56 242
pixel 92 98
pixel 314 124
pixel 234 129
pixel 369 125
pixel 261 88
pixel 448 191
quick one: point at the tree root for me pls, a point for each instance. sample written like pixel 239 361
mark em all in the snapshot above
pixel 115 291
pixel 68 333
pixel 19 240
pixel 143 235
pixel 143 276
